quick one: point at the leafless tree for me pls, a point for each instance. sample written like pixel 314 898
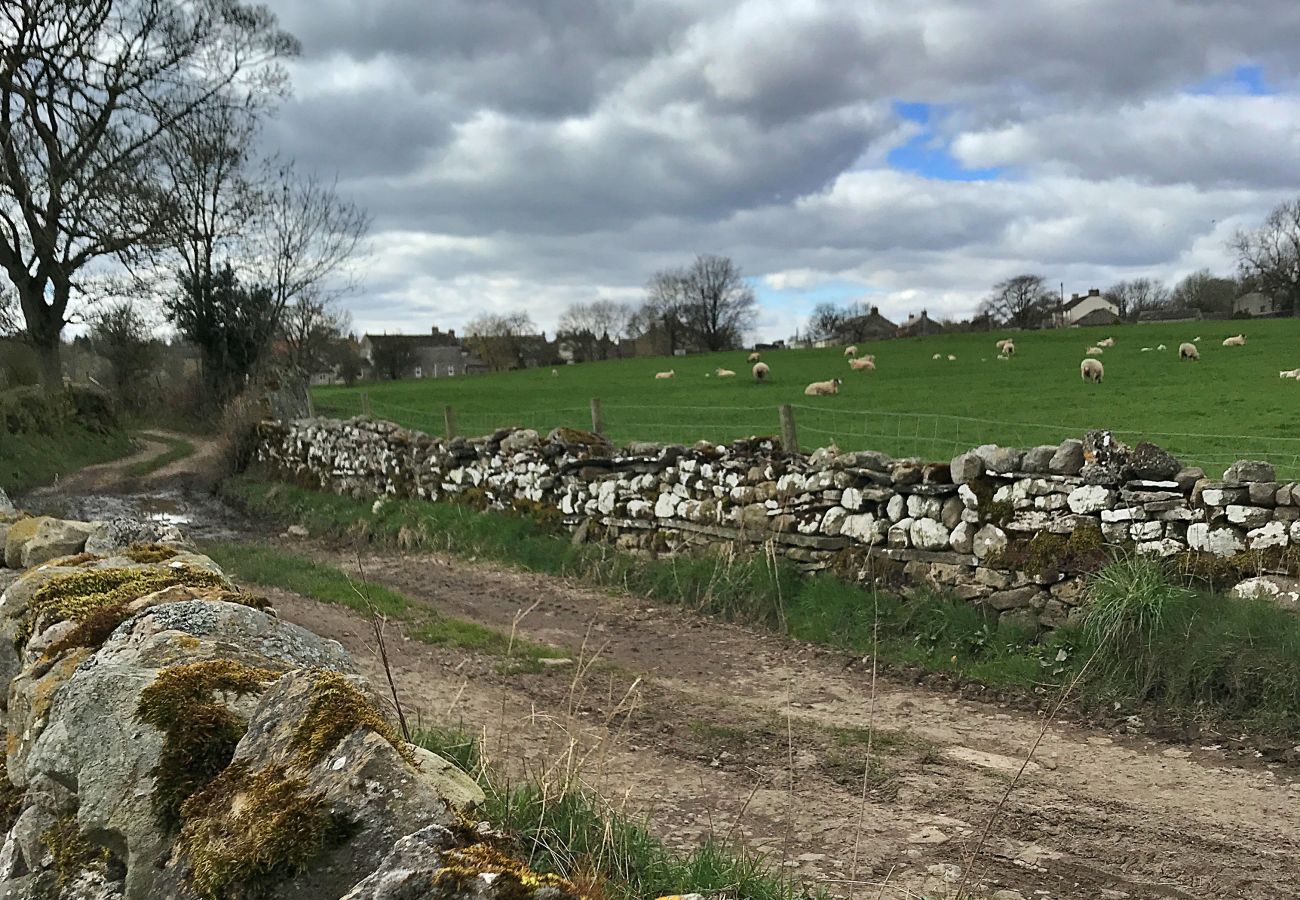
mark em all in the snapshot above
pixel 122 335
pixel 830 321
pixel 10 314
pixel 1136 296
pixel 664 308
pixel 89 89
pixel 1023 301
pixel 497 338
pixel 720 306
pixel 590 325
pixel 1205 291
pixel 1269 256
pixel 311 327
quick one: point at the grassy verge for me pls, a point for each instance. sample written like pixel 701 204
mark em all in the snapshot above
pixel 270 567
pixel 573 833
pixel 29 459
pixel 177 449
pixel 1187 655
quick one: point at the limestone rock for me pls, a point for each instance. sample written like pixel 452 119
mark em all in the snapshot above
pixel 928 534
pixel 1244 470
pixel 1187 477
pixel 1219 541
pixel 900 534
pixel 1274 534
pixel 16 539
pixel 966 468
pixel 863 527
pixel 1091 498
pixel 55 538
pixel 923 507
pixel 963 537
pixel 1004 460
pixel 6 505
pixel 1279 589
pixel 110 536
pixel 1247 516
pixel 1068 458
pixel 950 515
pixel 520 441
pixel 1150 462
pixel 1262 493
pixel 1038 460
pixel 896 509
pixel 1016 598
pixel 988 541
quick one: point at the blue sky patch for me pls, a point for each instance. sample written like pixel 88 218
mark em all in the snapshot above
pixel 1245 79
pixel 927 154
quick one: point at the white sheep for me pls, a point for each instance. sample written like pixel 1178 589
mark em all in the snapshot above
pixel 823 388
pixel 1237 340
pixel 662 375
pixel 555 373
pixel 1007 347
pixel 724 373
pixel 1002 343
pixel 1187 350
pixel 865 363
pixel 1092 370
pixel 951 358
pixel 1094 351
pixel 937 356
pixel 1146 350
pixel 1197 339
pixel 1108 342
pixel 1294 373
pixel 851 351
pixel 754 357
pixel 761 371
pixel 1162 347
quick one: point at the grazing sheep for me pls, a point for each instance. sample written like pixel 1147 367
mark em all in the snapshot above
pixel 669 374
pixel 1146 350
pixel 761 371
pixel 851 351
pixel 823 388
pixel 1238 340
pixel 754 357
pixel 1092 370
pixel 1094 351
pixel 866 363
pixel 1162 347
pixel 724 373
pixel 1002 343
pixel 1294 373
pixel 1188 351
pixel 937 356
pixel 951 358
pixel 555 373
pixel 1196 339
pixel 1007 348
pixel 1108 342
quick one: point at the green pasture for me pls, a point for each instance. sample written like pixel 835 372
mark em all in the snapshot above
pixel 1229 405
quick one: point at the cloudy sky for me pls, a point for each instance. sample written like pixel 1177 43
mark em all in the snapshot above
pixel 525 155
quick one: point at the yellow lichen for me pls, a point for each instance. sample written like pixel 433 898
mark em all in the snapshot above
pixel 75 595
pixel 79 559
pixel 244 831
pixel 200 731
pixel 511 879
pixel 337 709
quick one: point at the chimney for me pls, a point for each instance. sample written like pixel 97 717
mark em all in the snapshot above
pixel 435 331
pixel 1074 297
pixel 451 332
pixel 1094 292
pixel 875 310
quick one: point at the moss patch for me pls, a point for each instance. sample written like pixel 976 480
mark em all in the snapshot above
pixel 244 832
pixel 76 595
pixel 1083 550
pixel 462 869
pixel 200 732
pixel 72 853
pixel 337 709
pixel 149 553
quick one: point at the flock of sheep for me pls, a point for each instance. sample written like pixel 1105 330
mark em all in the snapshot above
pixel 1091 369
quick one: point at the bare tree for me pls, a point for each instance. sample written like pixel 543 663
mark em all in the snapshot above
pixel 1023 301
pixel 1205 291
pixel 720 306
pixel 10 314
pixel 496 338
pixel 311 327
pixel 593 325
pixel 1270 255
pixel 664 308
pixel 830 321
pixel 123 336
pixel 88 91
pixel 1136 296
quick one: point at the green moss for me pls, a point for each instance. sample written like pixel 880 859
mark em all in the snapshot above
pixel 1206 570
pixel 149 553
pixel 462 868
pixel 11 797
pixel 72 853
pixel 75 595
pixel 200 732
pixel 997 512
pixel 71 562
pixel 1083 550
pixel 244 832
pixel 337 709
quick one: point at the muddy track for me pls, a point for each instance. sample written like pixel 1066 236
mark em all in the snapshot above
pixel 716 729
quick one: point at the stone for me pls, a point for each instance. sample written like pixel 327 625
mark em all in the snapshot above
pixel 1295 532
pixel 1286 495
pixel 1004 460
pixel 297 531
pixel 1068 458
pixel 1249 470
pixel 1147 461
pixel 1262 493
pixel 833 522
pixel 1279 589
pixel 1038 460
pixel 962 538
pixel 113 535
pixel 1187 477
pixel 923 507
pixel 869 459
pixel 896 509
pixel 6 505
pixel 1019 619
pixel 1163 548
pixel 907 472
pixel 520 441
pixel 1114 532
pixel 1015 598
pixel 900 534
pixel 1221 496
pixel 988 541
pixel 851 499
pixel 1218 541
pixel 1090 498
pixel 966 468
pixel 863 527
pixel 1274 534
pixel 1247 516
pixel 55 538
pixel 1093 473
pixel 928 534
pixel 409 868
pixel 950 515
pixel 1054 614
pixel 1146 531
pixel 16 539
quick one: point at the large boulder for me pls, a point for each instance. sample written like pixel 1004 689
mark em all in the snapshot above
pixel 1244 470
pixel 1151 463
pixel 1068 458
pixel 55 538
pixel 967 467
pixel 114 535
pixel 17 537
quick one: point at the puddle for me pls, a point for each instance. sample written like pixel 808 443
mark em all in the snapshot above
pixel 200 516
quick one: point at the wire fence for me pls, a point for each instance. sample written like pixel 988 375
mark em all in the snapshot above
pixel 902 434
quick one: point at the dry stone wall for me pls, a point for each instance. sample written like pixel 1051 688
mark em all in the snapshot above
pixel 1010 528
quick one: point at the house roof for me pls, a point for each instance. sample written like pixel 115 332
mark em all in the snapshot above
pixel 1101 316
pixel 414 341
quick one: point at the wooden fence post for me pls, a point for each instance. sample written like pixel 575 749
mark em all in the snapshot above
pixel 789 437
pixel 449 421
pixel 597 423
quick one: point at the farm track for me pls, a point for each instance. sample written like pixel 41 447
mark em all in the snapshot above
pixel 712 728
pixel 709 728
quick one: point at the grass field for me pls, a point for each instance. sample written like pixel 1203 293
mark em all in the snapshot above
pixel 1228 406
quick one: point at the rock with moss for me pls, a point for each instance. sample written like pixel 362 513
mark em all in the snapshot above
pixel 114 535
pixel 55 538
pixel 17 536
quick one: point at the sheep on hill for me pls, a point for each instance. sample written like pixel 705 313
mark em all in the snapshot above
pixel 1108 342
pixel 754 357
pixel 1187 350
pixel 1006 347
pixel 1294 373
pixel 1094 351
pixel 865 363
pixel 761 371
pixel 823 388
pixel 1092 370
pixel 851 351
pixel 1237 340
pixel 659 376
pixel 724 373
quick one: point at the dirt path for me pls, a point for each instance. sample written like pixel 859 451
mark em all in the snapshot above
pixel 716 729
